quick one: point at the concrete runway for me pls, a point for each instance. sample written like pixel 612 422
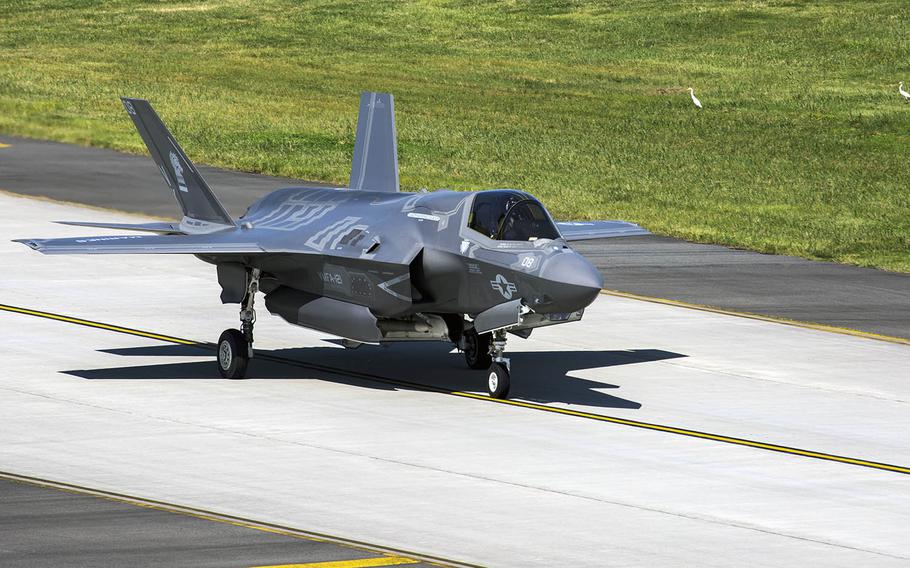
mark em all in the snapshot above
pixel 869 300
pixel 644 435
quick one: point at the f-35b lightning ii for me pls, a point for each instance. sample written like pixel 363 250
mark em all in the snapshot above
pixel 369 263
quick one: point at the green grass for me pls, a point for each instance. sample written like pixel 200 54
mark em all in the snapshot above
pixel 803 147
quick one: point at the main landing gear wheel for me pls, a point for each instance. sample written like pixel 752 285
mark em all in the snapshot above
pixel 235 346
pixel 233 354
pixel 498 382
pixel 477 349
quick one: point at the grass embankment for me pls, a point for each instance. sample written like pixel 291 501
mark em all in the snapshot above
pixel 802 147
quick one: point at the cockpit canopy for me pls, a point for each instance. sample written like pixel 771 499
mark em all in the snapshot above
pixel 510 215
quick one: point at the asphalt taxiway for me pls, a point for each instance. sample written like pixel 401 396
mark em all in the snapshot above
pixel 863 299
pixel 646 434
pixel 48 524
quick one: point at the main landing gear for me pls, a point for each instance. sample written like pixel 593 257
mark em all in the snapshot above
pixel 477 349
pixel 485 351
pixel 235 347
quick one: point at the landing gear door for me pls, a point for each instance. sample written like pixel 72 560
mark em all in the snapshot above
pixel 501 316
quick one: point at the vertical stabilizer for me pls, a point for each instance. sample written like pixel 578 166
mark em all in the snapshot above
pixel 375 165
pixel 201 209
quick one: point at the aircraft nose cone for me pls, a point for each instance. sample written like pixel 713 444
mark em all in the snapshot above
pixel 575 282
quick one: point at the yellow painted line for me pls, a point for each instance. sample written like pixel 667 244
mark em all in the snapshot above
pixel 362 563
pixel 2 145
pixel 97 325
pixel 202 514
pixel 760 317
pixel 694 434
pixel 158 506
pixel 515 403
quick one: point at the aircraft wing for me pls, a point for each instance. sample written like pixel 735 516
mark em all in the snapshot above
pixel 581 230
pixel 211 243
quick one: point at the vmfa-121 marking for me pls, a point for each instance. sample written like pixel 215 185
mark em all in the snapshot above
pixel 369 263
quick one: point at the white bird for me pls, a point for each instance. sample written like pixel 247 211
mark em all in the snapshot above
pixel 900 89
pixel 695 100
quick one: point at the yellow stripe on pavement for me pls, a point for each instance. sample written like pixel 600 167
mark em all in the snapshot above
pixel 760 317
pixel 693 433
pixel 236 521
pixel 97 325
pixel 2 145
pixel 362 563
pixel 485 398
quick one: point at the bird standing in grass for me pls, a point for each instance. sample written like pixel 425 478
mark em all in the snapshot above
pixel 900 89
pixel 695 100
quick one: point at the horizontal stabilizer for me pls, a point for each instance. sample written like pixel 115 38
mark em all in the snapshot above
pixel 375 164
pixel 145 244
pixel 164 228
pixel 581 230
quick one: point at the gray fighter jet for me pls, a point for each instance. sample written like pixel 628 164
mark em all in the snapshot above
pixel 369 263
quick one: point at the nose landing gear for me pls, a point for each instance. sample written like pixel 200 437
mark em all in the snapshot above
pixel 235 347
pixel 485 351
pixel 498 381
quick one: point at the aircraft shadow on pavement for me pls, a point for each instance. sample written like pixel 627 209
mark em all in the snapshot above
pixel 539 376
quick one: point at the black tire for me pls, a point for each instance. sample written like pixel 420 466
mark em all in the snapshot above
pixel 233 354
pixel 498 382
pixel 477 349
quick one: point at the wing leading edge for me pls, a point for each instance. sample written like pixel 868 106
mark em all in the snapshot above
pixel 146 244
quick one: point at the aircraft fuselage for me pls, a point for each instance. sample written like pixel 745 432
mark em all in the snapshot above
pixel 400 254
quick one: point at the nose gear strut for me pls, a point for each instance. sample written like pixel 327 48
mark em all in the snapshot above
pixel 498 380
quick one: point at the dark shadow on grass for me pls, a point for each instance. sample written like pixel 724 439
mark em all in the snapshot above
pixel 539 376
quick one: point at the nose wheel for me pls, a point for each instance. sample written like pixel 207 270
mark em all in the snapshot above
pixel 498 381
